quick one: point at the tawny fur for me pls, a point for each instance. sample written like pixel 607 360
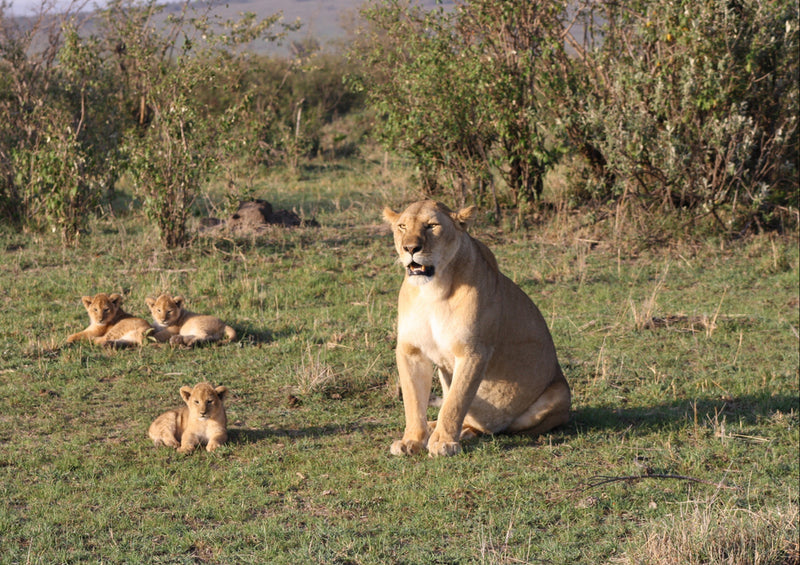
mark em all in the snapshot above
pixel 201 422
pixel 178 326
pixel 496 359
pixel 109 324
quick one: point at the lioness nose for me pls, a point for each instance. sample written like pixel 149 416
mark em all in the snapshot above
pixel 412 248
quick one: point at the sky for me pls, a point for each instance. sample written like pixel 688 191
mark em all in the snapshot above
pixel 23 7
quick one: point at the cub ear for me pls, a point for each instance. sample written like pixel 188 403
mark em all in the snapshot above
pixel 465 216
pixel 389 215
pixel 186 392
pixel 178 300
pixel 221 392
pixel 149 301
pixel 116 299
pixel 87 301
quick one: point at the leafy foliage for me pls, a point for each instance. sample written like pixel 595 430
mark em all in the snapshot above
pixel 459 91
pixel 696 105
pixel 674 105
pixel 58 140
pixel 173 144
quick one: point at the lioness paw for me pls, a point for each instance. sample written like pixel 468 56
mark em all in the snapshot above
pixel 401 447
pixel 443 448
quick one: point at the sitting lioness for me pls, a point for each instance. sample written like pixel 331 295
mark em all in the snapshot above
pixel 497 362
pixel 109 324
pixel 178 326
pixel 201 421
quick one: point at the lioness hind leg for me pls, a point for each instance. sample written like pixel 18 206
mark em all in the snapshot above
pixel 550 410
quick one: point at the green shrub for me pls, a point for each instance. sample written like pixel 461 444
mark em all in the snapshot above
pixel 696 105
pixel 59 141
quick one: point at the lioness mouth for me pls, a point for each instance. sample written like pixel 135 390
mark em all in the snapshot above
pixel 415 269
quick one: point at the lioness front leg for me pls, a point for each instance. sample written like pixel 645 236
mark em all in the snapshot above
pixel 467 375
pixel 416 375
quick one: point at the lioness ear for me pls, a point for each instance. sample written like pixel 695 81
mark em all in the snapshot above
pixel 465 216
pixel 389 215
pixel 221 392
pixel 186 392
pixel 87 301
pixel 116 298
pixel 149 301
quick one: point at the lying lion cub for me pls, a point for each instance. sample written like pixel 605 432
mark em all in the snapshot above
pixel 109 324
pixel 180 327
pixel 456 310
pixel 201 421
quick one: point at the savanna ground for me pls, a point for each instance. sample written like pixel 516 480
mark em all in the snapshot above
pixel 683 360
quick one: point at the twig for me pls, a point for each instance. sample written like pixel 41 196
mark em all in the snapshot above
pixel 599 480
pixel 157 270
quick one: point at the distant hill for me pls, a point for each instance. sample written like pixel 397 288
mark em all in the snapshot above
pixel 323 20
pixel 326 21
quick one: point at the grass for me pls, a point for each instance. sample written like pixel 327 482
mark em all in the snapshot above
pixel 683 361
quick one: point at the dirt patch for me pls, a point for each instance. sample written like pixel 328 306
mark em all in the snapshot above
pixel 253 217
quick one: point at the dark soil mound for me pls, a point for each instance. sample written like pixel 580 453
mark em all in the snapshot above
pixel 253 217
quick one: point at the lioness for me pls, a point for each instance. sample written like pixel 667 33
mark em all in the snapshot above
pixel 201 421
pixel 496 360
pixel 175 324
pixel 109 324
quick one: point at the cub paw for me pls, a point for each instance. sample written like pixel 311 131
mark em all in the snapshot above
pixel 401 447
pixel 176 341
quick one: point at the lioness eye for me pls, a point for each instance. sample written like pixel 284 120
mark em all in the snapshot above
pixel 431 226
pixel 401 227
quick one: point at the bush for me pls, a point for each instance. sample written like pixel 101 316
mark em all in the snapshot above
pixel 695 105
pixel 675 105
pixel 462 91
pixel 59 141
pixel 178 137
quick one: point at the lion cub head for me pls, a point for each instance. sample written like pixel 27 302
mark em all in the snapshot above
pixel 102 308
pixel 426 237
pixel 205 401
pixel 165 309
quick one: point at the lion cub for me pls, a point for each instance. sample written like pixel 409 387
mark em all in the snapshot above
pixel 201 421
pixel 178 326
pixel 109 324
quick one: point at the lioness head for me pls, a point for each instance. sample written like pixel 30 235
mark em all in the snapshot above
pixel 165 309
pixel 102 308
pixel 204 401
pixel 426 237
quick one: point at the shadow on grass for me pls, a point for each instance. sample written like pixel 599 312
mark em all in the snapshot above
pixel 671 416
pixel 255 336
pixel 748 409
pixel 242 436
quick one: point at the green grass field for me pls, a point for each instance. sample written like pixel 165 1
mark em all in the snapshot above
pixel 683 362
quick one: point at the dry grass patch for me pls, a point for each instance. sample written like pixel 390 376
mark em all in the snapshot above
pixel 700 534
